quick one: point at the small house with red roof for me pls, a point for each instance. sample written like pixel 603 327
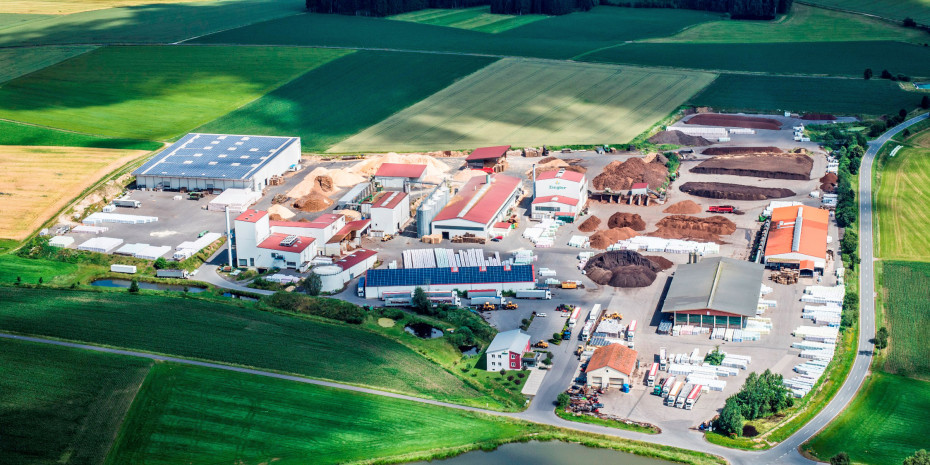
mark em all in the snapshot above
pixel 389 212
pixel 481 203
pixel 559 193
pixel 489 159
pixel 395 176
pixel 611 366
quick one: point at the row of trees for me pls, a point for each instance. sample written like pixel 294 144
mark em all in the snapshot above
pixel 384 7
pixel 921 457
pixel 760 397
pixel 544 7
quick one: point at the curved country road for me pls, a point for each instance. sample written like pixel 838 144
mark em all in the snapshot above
pixel 541 411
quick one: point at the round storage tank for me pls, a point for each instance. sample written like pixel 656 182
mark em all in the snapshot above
pixel 331 277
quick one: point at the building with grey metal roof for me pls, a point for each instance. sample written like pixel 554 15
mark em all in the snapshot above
pixel 715 292
pixel 220 161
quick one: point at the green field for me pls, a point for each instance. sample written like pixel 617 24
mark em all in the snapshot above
pixel 884 424
pixel 343 97
pixel 152 92
pixel 896 10
pixel 803 24
pixel 907 287
pixel 528 102
pixel 194 415
pixel 16 19
pixel 15 62
pixel 476 19
pixel 62 405
pixel 29 270
pixel 12 133
pixel 903 231
pixel 153 23
pixel 231 334
pixel 775 94
pixel 816 58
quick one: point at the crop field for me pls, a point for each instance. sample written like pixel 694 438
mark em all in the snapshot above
pixel 907 293
pixel 195 415
pixel 904 231
pixel 12 133
pixel 231 334
pixel 15 62
pixel 65 7
pixel 477 19
pixel 63 405
pixel 524 102
pixel 818 58
pixel 152 92
pixel 884 424
pixel 803 24
pixel 775 94
pixel 39 181
pixel 897 10
pixel 341 98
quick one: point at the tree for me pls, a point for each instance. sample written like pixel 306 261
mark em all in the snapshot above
pixel 881 338
pixel 840 459
pixel 902 113
pixel 421 303
pixel 40 280
pixel 19 280
pixel 906 133
pixel 134 287
pixel 850 243
pixel 850 312
pixel 563 400
pixel 925 102
pixel 886 74
pixel 312 284
pixel 160 263
pixel 921 457
pixel 909 22
pixel 714 357
pixel 730 421
pixel 867 74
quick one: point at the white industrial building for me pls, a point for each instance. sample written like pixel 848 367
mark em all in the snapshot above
pixel 334 277
pixel 481 204
pixel 558 193
pixel 395 176
pixel 220 161
pixel 260 245
pixel 389 212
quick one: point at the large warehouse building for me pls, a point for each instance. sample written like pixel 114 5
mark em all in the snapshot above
pixel 219 161
pixel 481 203
pixel 559 193
pixel 715 292
pixel 797 239
pixel 500 278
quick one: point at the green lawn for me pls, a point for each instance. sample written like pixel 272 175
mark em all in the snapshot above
pixel 529 102
pixel 803 24
pixel 13 266
pixel 883 425
pixel 904 231
pixel 232 334
pixel 776 94
pixel 907 315
pixel 12 133
pixel 152 92
pixel 15 62
pixel 897 10
pixel 344 96
pixel 62 405
pixel 826 58
pixel 477 19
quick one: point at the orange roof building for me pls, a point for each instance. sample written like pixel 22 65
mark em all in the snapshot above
pixel 611 366
pixel 797 238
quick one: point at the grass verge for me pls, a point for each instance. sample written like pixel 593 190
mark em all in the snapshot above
pixel 605 422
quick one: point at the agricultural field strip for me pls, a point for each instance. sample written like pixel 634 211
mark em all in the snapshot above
pixel 903 232
pixel 893 10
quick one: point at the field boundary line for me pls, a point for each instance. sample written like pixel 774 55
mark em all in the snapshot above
pixel 237 27
pixel 861 13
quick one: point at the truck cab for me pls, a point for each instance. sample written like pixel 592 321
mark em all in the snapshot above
pixel 361 287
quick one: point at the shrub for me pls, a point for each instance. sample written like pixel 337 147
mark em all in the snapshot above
pixel 312 284
pixel 714 357
pixel 750 431
pixel 319 306
pixel 160 263
pixel 133 286
pixel 840 459
pixel 867 74
pixel 563 400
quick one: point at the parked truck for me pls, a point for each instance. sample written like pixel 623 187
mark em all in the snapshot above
pixel 361 287
pixel 397 299
pixel 484 293
pixel 179 274
pixel 573 319
pixel 693 397
pixel 663 359
pixel 667 386
pixel 535 294
pixel 128 269
pixel 653 373
pixel 673 393
pixel 127 203
pixel 630 330
pixel 682 395
pixel 721 209
pixel 496 301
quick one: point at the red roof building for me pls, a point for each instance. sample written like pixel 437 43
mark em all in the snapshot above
pixel 564 174
pixel 388 199
pixel 276 242
pixel 797 238
pixel 559 193
pixel 251 216
pixel 488 153
pixel 478 205
pixel 611 366
pixel 556 199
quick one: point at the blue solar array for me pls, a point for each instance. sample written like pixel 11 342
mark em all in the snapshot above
pixel 465 275
pixel 215 156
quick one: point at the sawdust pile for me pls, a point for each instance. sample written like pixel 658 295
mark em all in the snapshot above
pixel 435 169
pixel 351 215
pixel 661 262
pixel 336 178
pixel 622 268
pixel 282 212
pixel 590 224
pixel 722 190
pixel 679 138
pixel 693 228
pixel 325 183
pixel 626 220
pixel 313 202
pixel 685 207
pixel 619 176
pixel 465 175
pixel 603 239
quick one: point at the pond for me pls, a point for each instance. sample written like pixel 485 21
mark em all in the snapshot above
pixel 423 330
pixel 546 453
pixel 124 283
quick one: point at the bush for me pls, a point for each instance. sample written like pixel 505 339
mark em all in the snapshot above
pixel 714 357
pixel 921 457
pixel 563 400
pixel 867 74
pixel 318 306
pixel 133 286
pixel 730 422
pixel 750 431
pixel 850 312
pixel 840 459
pixel 160 263
pixel 909 22
pixel 392 313
pixel 312 284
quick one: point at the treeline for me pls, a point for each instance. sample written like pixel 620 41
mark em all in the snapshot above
pixel 738 9
pixel 384 7
pixel 543 7
pixel 761 396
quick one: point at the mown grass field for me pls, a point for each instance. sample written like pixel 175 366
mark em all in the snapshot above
pixel 29 271
pixel 907 287
pixel 229 333
pixel 154 22
pixel 152 92
pixel 819 58
pixel 775 94
pixel 39 181
pixel 884 424
pixel 15 62
pixel 897 10
pixel 15 19
pixel 904 231
pixel 526 102
pixel 476 19
pixel 12 133
pixel 62 405
pixel 341 98
pixel 195 415
pixel 65 7
pixel 803 24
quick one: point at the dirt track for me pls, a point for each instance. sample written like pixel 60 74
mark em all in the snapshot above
pixel 759 165
pixel 722 190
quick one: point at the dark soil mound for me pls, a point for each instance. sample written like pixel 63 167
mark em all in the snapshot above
pixel 590 224
pixel 678 138
pixel 740 150
pixel 603 239
pixel 685 207
pixel 759 165
pixel 620 176
pixel 830 178
pixel 626 220
pixel 819 117
pixel 722 190
pixel 622 268
pixel 713 119
pixel 661 262
pixel 714 224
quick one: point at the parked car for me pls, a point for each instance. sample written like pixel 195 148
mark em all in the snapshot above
pixel 541 315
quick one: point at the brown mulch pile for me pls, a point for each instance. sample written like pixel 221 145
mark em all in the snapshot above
pixel 622 268
pixel 313 202
pixel 740 150
pixel 819 117
pixel 590 224
pixel 828 182
pixel 714 119
pixel 678 138
pixel 626 220
pixel 685 207
pixel 619 176
pixel 661 262
pixel 722 190
pixel 830 178
pixel 275 217
pixel 603 239
pixel 759 165
pixel 325 183
pixel 693 228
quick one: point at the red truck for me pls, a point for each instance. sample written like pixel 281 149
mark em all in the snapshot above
pixel 721 209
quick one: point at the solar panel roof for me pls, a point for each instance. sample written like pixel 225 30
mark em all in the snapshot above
pixel 215 156
pixel 464 275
